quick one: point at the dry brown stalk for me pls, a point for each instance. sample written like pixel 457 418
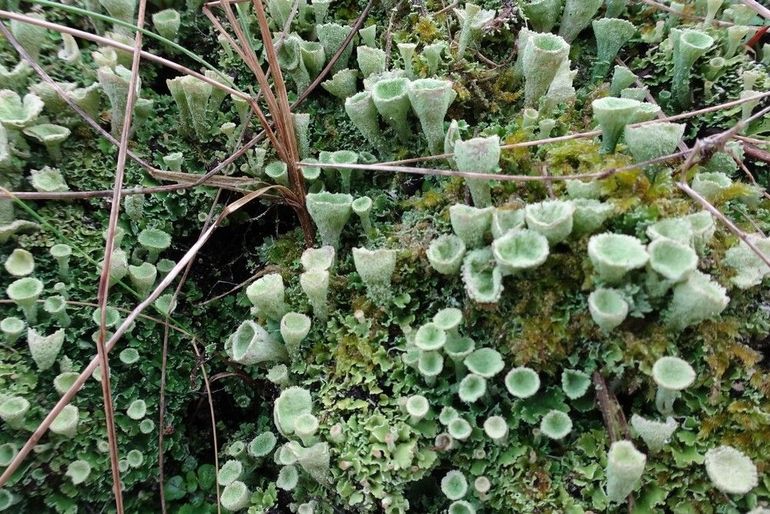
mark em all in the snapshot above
pixel 277 100
pixel 501 177
pixel 103 292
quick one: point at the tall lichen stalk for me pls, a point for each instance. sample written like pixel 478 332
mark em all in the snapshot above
pixel 281 132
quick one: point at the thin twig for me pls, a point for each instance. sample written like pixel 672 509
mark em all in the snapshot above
pixel 78 303
pixel 287 25
pixel 681 14
pixel 336 57
pixel 213 417
pixel 255 276
pixel 501 177
pixel 389 33
pixel 121 46
pixel 67 397
pixel 747 172
pixel 593 133
pixel 761 9
pixel 286 125
pixel 732 227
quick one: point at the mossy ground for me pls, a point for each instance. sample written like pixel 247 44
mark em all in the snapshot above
pixel 352 365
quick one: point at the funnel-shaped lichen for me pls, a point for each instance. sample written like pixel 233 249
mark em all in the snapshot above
pixel 589 215
pixel 12 328
pixel 496 429
pixel 446 253
pixel 613 114
pixel 655 434
pixel 710 185
pixel 315 284
pixel 330 212
pixel 318 258
pixel 611 34
pixel 166 23
pixel 24 293
pixel 430 100
pixel 551 218
pixel 542 14
pixel 556 424
pixel 608 308
pixel 17 113
pixel 730 470
pixel 672 259
pixel 51 136
pixel 391 98
pixel 56 307
pixel 454 485
pixel 363 113
pixel 235 496
pixel 371 61
pixel 66 423
pixel 292 403
pixel 115 85
pixel 267 295
pixel 417 407
pixel 20 263
pixel 154 241
pixel 31 37
pixel 331 36
pixel 614 255
pixel 522 382
pixel 519 250
pixel 543 56
pixel 252 344
pixel 143 278
pixel 749 268
pixel 625 465
pixel 577 16
pixel 696 299
pixel 471 388
pixel 484 362
pixel 472 20
pixel 342 84
pixel 471 224
pixel 13 409
pixel 575 383
pixel 672 375
pixel 375 267
pixel 505 220
pixel 192 97
pixel 653 140
pixel 294 328
pixel 480 155
pixel 689 46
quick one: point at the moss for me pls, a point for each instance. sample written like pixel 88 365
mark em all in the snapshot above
pixel 426 30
